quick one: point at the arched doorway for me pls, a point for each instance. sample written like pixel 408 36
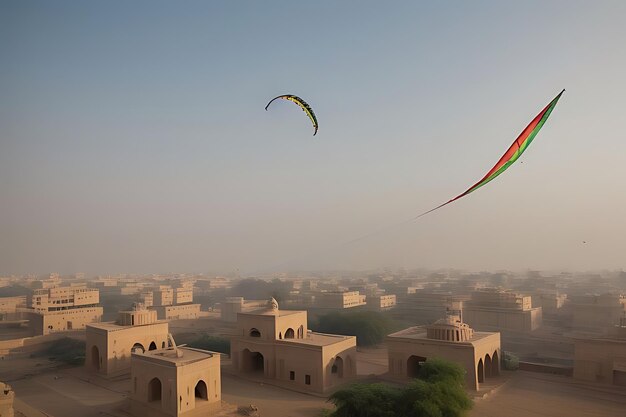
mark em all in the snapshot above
pixel 488 366
pixel 154 390
pixel 152 346
pixel 95 358
pixel 289 333
pixel 138 348
pixel 252 361
pixel 495 369
pixel 413 365
pixel 337 368
pixel 255 332
pixel 201 392
pixel 481 371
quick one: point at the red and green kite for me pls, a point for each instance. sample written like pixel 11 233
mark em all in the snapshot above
pixel 512 154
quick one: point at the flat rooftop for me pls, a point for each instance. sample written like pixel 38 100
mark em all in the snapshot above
pixel 318 339
pixel 268 312
pixel 170 357
pixel 419 333
pixel 112 326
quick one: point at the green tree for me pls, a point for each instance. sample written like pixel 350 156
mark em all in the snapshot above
pixel 67 350
pixel 212 343
pixel 437 392
pixel 369 327
pixel 365 400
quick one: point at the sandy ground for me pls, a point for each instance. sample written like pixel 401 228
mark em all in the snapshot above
pixel 271 401
pixel 43 389
pixel 529 394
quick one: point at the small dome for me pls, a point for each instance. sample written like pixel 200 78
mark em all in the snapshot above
pixel 451 329
pixel 272 304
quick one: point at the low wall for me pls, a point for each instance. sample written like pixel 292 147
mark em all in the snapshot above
pixel 546 368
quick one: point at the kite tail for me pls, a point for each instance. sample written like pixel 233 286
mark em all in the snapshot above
pixel 431 210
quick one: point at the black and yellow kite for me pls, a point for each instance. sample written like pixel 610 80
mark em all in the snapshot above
pixel 303 105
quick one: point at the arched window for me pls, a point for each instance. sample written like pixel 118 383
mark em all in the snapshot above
pixel 152 346
pixel 289 333
pixel 337 368
pixel 138 348
pixel 154 390
pixel 255 332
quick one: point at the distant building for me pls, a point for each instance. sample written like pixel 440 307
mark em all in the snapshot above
pixel 501 310
pixel 426 306
pixel 174 303
pixel 109 345
pixel 175 382
pixel 602 359
pixel 10 305
pixel 551 302
pixel 596 312
pixel 63 308
pixel 217 283
pixel 339 300
pixel 6 400
pixel 477 352
pixel 230 307
pixel 276 344
pixel 381 302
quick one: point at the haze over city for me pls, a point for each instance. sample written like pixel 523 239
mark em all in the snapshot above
pixel 133 136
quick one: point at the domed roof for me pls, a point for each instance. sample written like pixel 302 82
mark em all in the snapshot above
pixel 450 328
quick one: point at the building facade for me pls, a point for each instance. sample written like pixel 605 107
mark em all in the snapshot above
pixel 109 345
pixel 477 352
pixel 494 309
pixel 62 308
pixel 6 400
pixel 339 300
pixel 602 359
pixel 276 344
pixel 175 382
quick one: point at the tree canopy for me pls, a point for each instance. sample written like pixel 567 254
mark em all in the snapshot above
pixel 437 392
pixel 212 343
pixel 369 327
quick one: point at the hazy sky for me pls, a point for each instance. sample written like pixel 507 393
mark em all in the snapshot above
pixel 133 136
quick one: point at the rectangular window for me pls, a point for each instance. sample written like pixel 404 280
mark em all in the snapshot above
pixel 292 375
pixel 307 379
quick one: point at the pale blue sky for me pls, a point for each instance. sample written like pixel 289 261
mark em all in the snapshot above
pixel 133 136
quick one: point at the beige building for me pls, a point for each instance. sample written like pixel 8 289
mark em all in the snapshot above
pixel 63 308
pixel 381 302
pixel 426 306
pixel 62 298
pixel 230 307
pixel 109 345
pixel 602 359
pixel 596 312
pixel 6 400
pixel 339 299
pixel 174 303
pixel 276 344
pixel 549 301
pixel 494 309
pixel 175 382
pixel 478 352
pixel 10 305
